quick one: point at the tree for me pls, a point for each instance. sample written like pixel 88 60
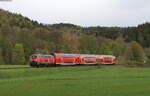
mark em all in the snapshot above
pixel 18 56
pixel 118 46
pixel 69 42
pixel 25 37
pixel 105 49
pixel 7 40
pixel 118 49
pixel 56 39
pixel 88 44
pixel 1 58
pixel 134 54
pixel 147 52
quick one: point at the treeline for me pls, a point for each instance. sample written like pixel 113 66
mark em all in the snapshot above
pixel 20 37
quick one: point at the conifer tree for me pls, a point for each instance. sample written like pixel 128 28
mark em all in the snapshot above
pixel 18 56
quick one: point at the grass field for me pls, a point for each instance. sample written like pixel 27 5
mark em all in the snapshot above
pixel 76 81
pixel 13 66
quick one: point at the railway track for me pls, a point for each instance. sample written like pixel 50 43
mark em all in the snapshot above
pixel 17 68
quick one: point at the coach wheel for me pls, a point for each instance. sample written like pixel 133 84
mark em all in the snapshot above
pixel 34 65
pixel 37 65
pixel 31 64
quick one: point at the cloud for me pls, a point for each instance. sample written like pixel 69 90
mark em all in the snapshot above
pixel 83 12
pixel 133 4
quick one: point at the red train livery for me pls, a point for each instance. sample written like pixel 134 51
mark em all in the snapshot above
pixel 54 59
pixel 109 59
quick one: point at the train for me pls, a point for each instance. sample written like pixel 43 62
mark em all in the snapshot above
pixel 55 59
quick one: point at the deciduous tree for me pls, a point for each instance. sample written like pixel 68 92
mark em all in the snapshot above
pixel 18 56
pixel 134 55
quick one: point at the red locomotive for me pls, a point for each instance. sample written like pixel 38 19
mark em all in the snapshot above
pixel 54 59
pixel 37 60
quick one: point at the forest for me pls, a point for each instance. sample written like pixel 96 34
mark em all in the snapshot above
pixel 20 37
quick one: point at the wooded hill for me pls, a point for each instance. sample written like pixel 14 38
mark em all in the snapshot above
pixel 20 37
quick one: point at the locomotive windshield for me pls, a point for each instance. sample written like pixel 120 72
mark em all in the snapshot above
pixel 34 56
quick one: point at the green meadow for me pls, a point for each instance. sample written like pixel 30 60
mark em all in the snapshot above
pixel 76 81
pixel 13 66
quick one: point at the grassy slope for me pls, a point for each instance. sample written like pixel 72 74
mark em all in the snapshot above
pixel 76 81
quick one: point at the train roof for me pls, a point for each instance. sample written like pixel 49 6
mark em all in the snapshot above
pixel 70 54
pixel 107 55
pixel 40 54
pixel 87 55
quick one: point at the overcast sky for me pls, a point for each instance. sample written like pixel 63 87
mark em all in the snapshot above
pixel 83 12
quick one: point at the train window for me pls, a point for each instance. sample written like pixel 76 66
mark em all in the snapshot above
pixel 98 59
pixel 67 56
pixel 89 57
pixel 46 56
pixel 34 56
pixel 41 56
pixel 108 57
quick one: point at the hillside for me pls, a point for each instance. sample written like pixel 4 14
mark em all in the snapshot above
pixel 40 38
